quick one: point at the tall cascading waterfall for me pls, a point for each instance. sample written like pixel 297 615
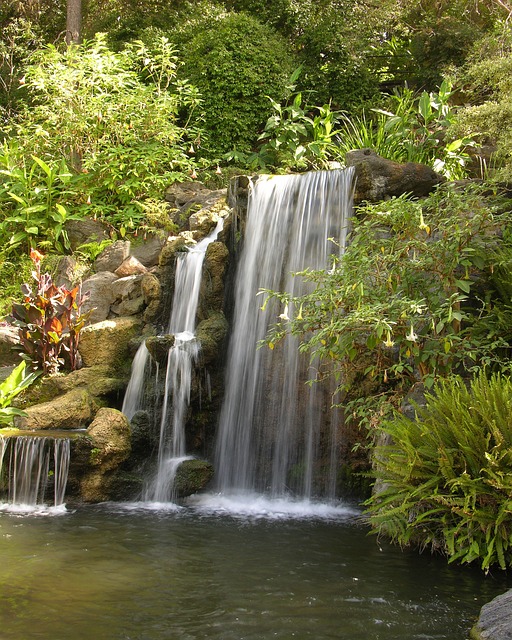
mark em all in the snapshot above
pixel 28 463
pixel 180 364
pixel 272 432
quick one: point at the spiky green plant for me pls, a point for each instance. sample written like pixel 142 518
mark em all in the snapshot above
pixel 446 477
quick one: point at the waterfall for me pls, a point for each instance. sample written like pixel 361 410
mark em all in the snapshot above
pixel 29 465
pixel 181 359
pixel 276 433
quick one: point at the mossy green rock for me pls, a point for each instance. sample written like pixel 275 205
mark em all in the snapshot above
pixel 107 343
pixel 73 410
pixel 192 476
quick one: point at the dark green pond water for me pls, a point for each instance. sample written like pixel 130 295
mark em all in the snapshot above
pixel 200 572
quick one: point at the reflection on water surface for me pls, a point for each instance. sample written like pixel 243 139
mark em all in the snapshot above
pixel 155 572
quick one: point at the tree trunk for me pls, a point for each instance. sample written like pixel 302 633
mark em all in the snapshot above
pixel 73 21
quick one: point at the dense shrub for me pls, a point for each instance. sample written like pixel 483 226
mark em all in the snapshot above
pixel 447 475
pixel 237 63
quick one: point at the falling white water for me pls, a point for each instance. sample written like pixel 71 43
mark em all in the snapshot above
pixel 180 364
pixel 135 390
pixel 26 465
pixel 272 423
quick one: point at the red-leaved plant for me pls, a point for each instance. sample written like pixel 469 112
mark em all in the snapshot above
pixel 49 321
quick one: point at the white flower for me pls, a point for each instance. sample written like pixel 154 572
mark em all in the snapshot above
pixel 284 315
pixel 411 336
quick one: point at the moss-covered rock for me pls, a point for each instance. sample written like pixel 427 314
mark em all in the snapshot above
pixel 192 476
pixel 110 437
pixel 211 334
pixel 158 347
pixel 72 410
pixel 107 343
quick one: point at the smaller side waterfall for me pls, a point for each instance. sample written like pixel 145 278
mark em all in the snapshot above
pixel 33 469
pixel 181 360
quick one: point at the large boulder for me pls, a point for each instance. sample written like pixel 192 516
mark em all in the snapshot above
pixel 380 179
pixel 148 252
pixel 73 410
pixel 110 437
pixel 108 342
pixel 495 621
pixel 112 256
pixel 100 295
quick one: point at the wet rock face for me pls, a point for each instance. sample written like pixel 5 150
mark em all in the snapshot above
pixel 192 476
pixel 380 179
pixel 110 437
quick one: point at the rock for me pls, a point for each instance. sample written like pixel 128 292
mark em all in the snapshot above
pixel 150 286
pixel 379 179
pixel 127 288
pixel 73 410
pixel 202 221
pixel 110 435
pixel 158 347
pixel 107 343
pixel 67 272
pixel 192 476
pixel 99 288
pixel 210 334
pixel 97 380
pixel 148 251
pixel 174 244
pixel 84 231
pixel 495 620
pixel 9 338
pixel 112 256
pixel 129 307
pixel 130 267
pixel 212 284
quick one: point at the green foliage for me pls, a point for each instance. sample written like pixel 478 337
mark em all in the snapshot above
pixel 296 136
pixel 236 62
pixel 114 116
pixel 409 296
pixel 49 321
pixel 487 80
pixel 413 128
pixel 447 475
pixel 14 384
pixel 32 197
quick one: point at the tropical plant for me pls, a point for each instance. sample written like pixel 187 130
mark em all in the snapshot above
pixel 49 320
pixel 34 196
pixel 123 121
pixel 14 384
pixel 413 128
pixel 296 135
pixel 446 478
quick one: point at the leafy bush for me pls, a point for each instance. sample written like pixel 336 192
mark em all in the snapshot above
pixel 412 128
pixel 447 475
pixel 49 321
pixel 410 297
pixel 296 136
pixel 114 116
pixel 236 62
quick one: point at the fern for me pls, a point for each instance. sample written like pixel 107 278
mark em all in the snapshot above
pixel 448 473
